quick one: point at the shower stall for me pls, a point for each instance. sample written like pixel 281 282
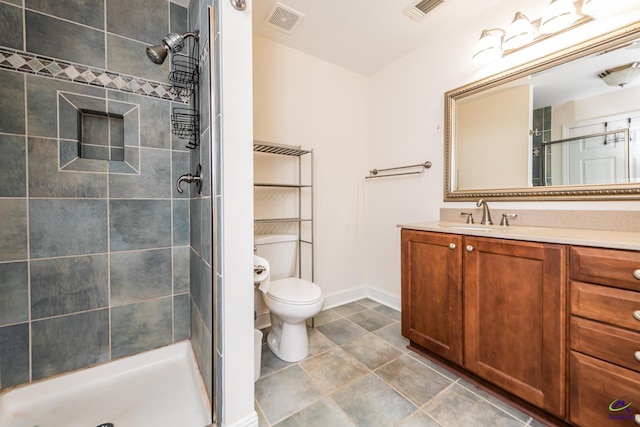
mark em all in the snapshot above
pixel 101 257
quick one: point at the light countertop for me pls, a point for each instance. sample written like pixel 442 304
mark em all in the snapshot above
pixel 569 236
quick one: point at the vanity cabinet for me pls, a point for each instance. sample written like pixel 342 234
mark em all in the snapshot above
pixel 604 296
pixel 432 292
pixel 514 318
pixel 512 312
pixel 555 325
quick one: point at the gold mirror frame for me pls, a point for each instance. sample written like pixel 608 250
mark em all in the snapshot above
pixel 626 191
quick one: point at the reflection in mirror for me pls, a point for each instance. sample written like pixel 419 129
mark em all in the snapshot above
pixel 566 126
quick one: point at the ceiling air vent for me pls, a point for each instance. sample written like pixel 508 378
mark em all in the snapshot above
pixel 419 9
pixel 284 18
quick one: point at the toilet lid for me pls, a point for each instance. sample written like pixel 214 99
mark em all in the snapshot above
pixel 293 290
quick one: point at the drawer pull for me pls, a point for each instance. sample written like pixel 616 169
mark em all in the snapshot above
pixel 637 419
pixel 469 248
pixel 637 355
pixel 636 274
pixel 636 314
pixel 452 245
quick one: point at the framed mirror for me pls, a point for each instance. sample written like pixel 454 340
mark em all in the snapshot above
pixel 562 127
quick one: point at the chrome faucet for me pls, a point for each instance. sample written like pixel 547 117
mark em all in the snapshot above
pixel 486 215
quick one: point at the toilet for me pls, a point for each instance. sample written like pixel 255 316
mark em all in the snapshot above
pixel 291 300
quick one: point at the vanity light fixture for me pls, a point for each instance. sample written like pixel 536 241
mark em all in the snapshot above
pixel 560 15
pixel 519 33
pixel 622 75
pixel 489 47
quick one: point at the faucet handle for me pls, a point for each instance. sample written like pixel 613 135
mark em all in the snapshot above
pixel 504 222
pixel 469 216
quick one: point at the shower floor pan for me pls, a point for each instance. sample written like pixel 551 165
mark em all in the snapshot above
pixel 158 388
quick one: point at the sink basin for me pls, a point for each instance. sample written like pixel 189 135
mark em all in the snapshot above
pixel 470 227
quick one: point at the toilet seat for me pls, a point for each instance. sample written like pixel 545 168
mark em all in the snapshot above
pixel 294 291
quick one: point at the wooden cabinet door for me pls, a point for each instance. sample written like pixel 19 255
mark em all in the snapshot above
pixel 432 292
pixel 515 318
pixel 603 394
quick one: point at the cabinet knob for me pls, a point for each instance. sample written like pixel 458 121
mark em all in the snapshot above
pixel 636 314
pixel 469 248
pixel 636 274
pixel 452 246
pixel 637 419
pixel 637 355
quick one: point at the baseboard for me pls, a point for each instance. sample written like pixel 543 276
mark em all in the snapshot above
pixel 250 420
pixel 346 296
pixel 263 320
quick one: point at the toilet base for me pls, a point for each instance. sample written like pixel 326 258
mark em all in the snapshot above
pixel 288 341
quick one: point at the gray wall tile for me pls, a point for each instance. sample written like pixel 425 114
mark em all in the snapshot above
pixel 88 12
pixel 62 344
pixel 67 227
pixel 206 229
pixel 178 18
pixel 154 180
pixel 13 233
pixel 141 275
pixel 12 166
pixel 181 222
pixel 14 355
pixel 139 327
pixel 14 293
pixel 181 164
pixel 10 26
pixel 181 317
pixel 201 289
pixel 181 269
pixel 195 214
pixel 148 22
pixel 68 285
pixel 155 122
pixel 64 40
pixel 129 57
pixel 46 181
pixel 12 119
pixel 42 102
pixel 140 224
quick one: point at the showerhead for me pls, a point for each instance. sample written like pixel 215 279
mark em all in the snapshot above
pixel 172 42
pixel 157 54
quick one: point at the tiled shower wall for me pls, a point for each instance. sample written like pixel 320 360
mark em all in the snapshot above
pixel 94 264
pixel 203 246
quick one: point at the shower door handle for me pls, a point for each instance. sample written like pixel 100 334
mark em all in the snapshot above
pixel 191 178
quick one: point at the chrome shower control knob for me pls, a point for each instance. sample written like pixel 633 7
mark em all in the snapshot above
pixel 469 248
pixel 452 245
pixel 636 274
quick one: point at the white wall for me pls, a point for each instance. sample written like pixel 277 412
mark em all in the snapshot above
pixel 303 101
pixel 406 118
pixel 237 216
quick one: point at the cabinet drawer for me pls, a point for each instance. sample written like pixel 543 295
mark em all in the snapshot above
pixel 609 305
pixel 605 342
pixel 606 267
pixel 597 391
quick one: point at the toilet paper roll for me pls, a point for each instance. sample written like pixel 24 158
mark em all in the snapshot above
pixel 262 265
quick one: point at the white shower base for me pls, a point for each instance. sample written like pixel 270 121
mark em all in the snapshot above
pixel 158 388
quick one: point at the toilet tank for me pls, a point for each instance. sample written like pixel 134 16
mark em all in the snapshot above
pixel 281 250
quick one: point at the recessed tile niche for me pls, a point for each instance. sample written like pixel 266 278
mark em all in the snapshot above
pixel 98 135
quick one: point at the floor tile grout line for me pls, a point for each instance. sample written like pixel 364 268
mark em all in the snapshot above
pixel 329 395
pixel 493 404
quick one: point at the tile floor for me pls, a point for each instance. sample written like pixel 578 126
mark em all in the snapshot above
pixel 359 373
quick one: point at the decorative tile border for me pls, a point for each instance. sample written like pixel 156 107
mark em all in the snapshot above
pixel 77 73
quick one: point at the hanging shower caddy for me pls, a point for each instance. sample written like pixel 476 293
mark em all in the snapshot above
pixel 184 77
